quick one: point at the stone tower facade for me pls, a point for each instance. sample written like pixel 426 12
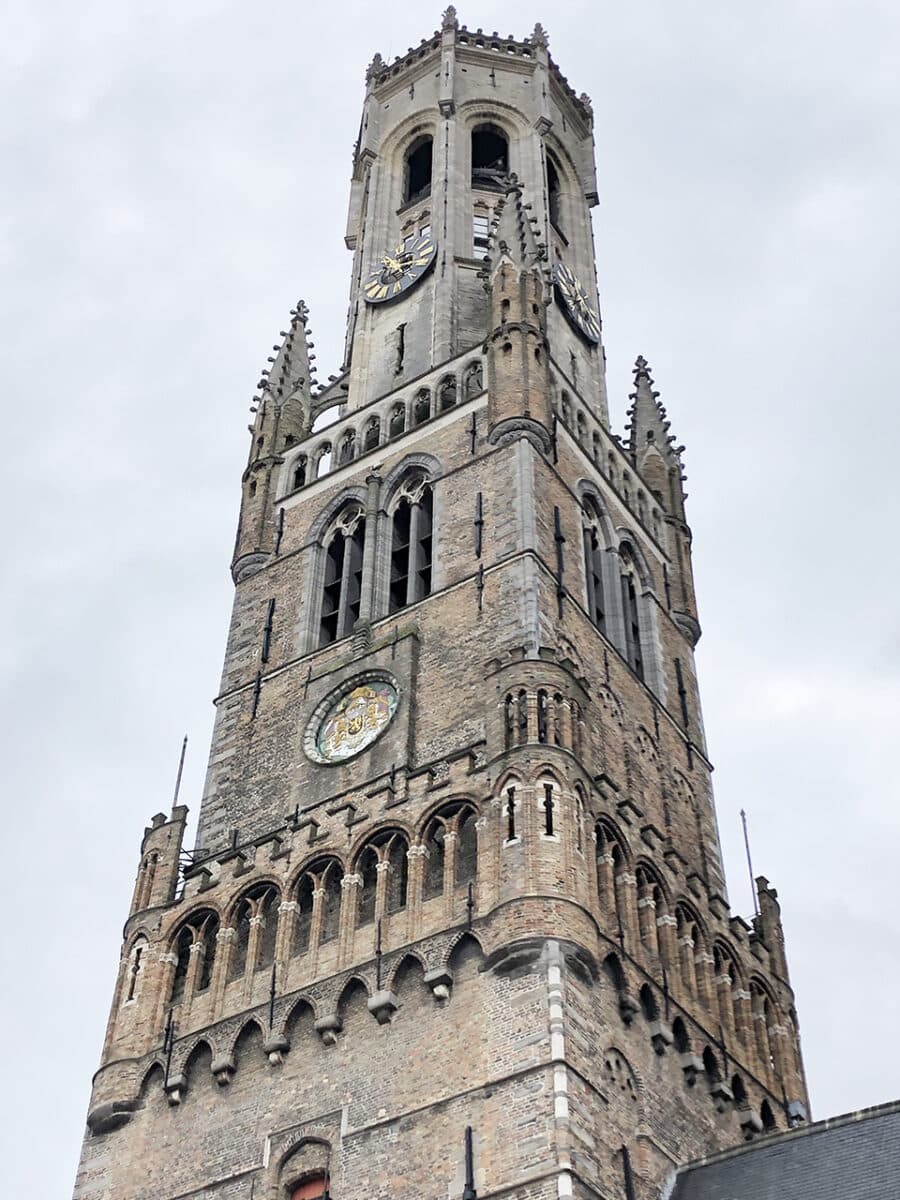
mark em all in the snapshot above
pixel 455 924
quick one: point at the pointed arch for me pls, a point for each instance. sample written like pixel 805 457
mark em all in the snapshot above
pixel 300 1019
pixel 154 1078
pixel 408 976
pixel 249 1035
pixel 198 1064
pixel 465 956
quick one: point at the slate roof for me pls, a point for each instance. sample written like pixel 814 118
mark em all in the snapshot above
pixel 853 1157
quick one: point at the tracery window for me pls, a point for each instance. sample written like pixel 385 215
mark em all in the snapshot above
pixel 318 899
pixel 197 937
pixel 342 586
pixel 411 543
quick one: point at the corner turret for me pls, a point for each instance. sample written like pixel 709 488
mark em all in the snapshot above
pixel 282 418
pixel 518 360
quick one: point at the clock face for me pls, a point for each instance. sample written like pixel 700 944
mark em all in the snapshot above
pixel 400 269
pixel 576 303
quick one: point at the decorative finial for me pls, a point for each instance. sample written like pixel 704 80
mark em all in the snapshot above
pixel 539 36
pixel 375 67
pixel 641 369
pixel 586 101
pixel 448 18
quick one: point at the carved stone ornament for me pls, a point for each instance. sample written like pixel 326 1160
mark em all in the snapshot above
pixel 352 718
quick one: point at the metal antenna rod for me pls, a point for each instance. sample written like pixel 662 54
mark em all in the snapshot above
pixel 750 863
pixel 180 769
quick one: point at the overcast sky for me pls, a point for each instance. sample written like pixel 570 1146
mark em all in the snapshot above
pixel 176 176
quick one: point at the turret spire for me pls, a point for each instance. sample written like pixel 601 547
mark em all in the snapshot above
pixel 515 236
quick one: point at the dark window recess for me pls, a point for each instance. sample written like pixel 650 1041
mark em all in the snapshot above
pixel 593 561
pixel 421 407
pixel 411 550
pixel 300 473
pixel 267 631
pixel 343 583
pixel 372 434
pixel 632 626
pixel 510 814
pixel 553 191
pixel 397 423
pixel 548 809
pixel 401 348
pixel 542 716
pixel 417 175
pixel 134 972
pixel 490 156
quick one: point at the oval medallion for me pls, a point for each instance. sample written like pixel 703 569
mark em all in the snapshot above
pixel 348 723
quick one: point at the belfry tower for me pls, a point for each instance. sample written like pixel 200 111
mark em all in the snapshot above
pixel 455 924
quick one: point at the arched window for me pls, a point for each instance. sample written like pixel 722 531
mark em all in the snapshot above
pixel 304 914
pixel 198 936
pixel 490 156
pixel 649 906
pixel 648 1004
pixel 323 460
pixel 135 966
pixel 331 903
pixel 367 870
pixel 595 557
pixel 767 1117
pixel 182 962
pixel 466 847
pixel 553 190
pixel 342 588
pixel 238 961
pixel 320 884
pixel 411 543
pixel 509 720
pixel 387 851
pixel 474 384
pixel 566 406
pixel 611 863
pixel 397 423
pixel 630 590
pixel 581 426
pixel 447 393
pixel 372 434
pixel 347 448
pixel 398 874
pixel 680 1035
pixel 421 406
pixel 711 1067
pixel 257 927
pixel 542 716
pixel 298 479
pixel 435 846
pixel 417 169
